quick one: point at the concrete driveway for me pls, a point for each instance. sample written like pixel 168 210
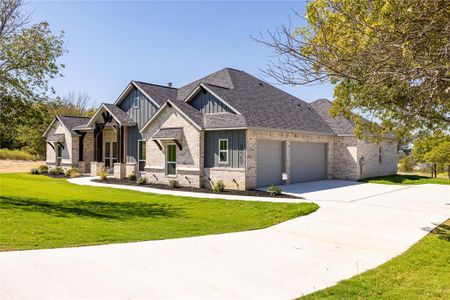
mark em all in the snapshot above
pixel 358 227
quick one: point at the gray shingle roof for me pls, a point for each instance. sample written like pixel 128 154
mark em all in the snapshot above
pixel 195 115
pixel 168 133
pixel 340 124
pixel 158 93
pixel 70 122
pixel 119 114
pixel 223 120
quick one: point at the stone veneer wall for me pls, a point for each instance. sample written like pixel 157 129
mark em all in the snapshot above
pixel 88 151
pixel 372 167
pixel 345 162
pixel 189 159
pixel 233 178
pixel 67 160
pixel 254 135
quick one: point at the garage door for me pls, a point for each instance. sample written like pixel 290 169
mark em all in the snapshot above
pixel 308 162
pixel 270 163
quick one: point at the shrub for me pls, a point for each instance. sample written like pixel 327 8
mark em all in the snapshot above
pixel 274 190
pixel 173 184
pixel 16 155
pixel 43 169
pixel 73 172
pixel 132 177
pixel 56 171
pixel 218 187
pixel 103 174
pixel 35 171
pixel 405 164
pixel 141 180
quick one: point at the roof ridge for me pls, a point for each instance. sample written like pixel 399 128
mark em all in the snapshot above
pixel 68 116
pixel 155 84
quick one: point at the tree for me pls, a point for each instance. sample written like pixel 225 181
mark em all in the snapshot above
pixel 426 143
pixel 440 155
pixel 72 105
pixel 388 59
pixel 28 59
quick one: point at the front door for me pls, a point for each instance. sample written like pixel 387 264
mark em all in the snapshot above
pixel 110 156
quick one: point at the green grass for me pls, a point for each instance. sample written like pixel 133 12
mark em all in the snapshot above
pixel 422 272
pixel 16 155
pixel 41 212
pixel 406 179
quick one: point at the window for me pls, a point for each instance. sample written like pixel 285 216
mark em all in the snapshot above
pixel 141 155
pixel 380 155
pixel 58 151
pixel 171 159
pixel 136 99
pixel 223 151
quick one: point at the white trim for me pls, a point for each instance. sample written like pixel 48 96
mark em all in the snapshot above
pixel 161 110
pixel 227 151
pixel 167 160
pixel 198 88
pixel 125 92
pixel 145 150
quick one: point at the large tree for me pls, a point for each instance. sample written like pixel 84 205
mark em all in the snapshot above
pixel 28 59
pixel 388 59
pixel 426 143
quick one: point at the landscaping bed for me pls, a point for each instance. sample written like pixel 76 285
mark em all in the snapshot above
pixel 254 193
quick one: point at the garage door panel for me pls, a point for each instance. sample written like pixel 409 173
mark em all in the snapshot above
pixel 308 162
pixel 269 162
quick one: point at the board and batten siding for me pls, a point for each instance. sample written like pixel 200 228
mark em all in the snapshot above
pixel 236 145
pixel 208 104
pixel 141 115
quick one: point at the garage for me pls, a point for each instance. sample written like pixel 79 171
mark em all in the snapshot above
pixel 308 162
pixel 270 160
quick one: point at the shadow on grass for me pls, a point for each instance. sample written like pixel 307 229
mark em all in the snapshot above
pixel 91 209
pixel 397 178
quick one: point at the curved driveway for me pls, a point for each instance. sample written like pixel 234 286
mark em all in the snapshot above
pixel 358 227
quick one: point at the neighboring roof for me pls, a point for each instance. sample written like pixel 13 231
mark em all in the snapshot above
pixel 339 124
pixel 159 93
pixel 168 133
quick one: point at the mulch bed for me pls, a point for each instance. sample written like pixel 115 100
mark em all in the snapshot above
pixel 192 189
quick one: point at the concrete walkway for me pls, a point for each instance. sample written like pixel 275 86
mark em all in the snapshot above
pixel 285 261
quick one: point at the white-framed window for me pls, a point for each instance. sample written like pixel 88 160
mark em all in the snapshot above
pixel 136 99
pixel 141 154
pixel 223 151
pixel 380 155
pixel 171 159
pixel 58 151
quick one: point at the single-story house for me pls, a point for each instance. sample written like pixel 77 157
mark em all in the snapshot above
pixel 228 126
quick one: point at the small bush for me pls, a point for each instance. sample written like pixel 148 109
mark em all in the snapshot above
pixel 56 171
pixel 43 169
pixel 218 187
pixel 73 172
pixel 132 177
pixel 405 164
pixel 35 171
pixel 103 174
pixel 274 190
pixel 173 184
pixel 16 155
pixel 141 180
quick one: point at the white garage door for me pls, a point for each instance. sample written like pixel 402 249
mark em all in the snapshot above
pixel 269 162
pixel 308 162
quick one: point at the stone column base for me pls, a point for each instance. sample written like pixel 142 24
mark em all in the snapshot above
pixel 82 167
pixel 96 168
pixel 119 170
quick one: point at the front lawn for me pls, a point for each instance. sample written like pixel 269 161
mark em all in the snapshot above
pixel 406 179
pixel 422 272
pixel 41 212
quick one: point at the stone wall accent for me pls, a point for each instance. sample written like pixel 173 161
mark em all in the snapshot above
pixel 88 151
pixel 131 168
pixel 189 159
pixel 96 168
pixel 233 178
pixel 372 167
pixel 253 135
pixel 119 170
pixel 345 158
pixel 66 158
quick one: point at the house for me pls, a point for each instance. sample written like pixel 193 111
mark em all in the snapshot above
pixel 228 126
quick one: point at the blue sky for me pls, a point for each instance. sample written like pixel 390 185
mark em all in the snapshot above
pixel 112 43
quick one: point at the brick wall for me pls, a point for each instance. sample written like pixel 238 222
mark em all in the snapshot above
pixel 372 167
pixel 345 163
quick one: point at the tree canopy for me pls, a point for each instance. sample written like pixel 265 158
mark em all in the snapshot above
pixel 388 59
